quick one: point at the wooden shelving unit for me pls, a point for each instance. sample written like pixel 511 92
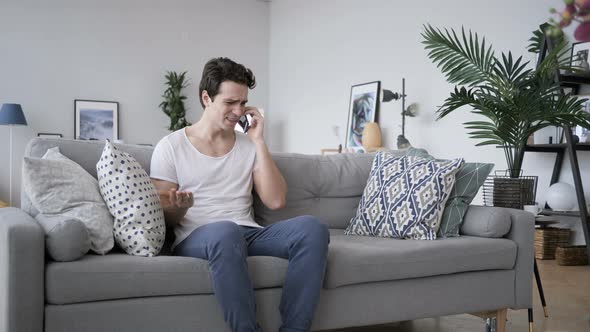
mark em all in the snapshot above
pixel 573 81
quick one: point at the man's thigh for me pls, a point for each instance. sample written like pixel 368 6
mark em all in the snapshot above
pixel 275 239
pixel 197 243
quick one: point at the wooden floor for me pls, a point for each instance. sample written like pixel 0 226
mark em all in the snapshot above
pixel 567 291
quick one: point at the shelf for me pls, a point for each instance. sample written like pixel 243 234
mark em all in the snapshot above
pixel 575 78
pixel 549 212
pixel 555 147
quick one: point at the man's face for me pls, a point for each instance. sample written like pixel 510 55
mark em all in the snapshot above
pixel 228 105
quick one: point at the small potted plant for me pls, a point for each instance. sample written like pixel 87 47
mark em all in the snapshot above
pixel 173 104
pixel 514 98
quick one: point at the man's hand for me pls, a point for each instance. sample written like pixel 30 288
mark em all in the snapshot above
pixel 173 198
pixel 256 131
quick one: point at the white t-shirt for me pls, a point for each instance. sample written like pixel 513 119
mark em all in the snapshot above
pixel 221 186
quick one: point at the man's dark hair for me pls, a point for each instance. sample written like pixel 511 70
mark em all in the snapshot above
pixel 218 70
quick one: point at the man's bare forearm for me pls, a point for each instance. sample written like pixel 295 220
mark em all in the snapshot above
pixel 270 185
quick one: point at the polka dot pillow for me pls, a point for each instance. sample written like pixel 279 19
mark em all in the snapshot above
pixel 132 199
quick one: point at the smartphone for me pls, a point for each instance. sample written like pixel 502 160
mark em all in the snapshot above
pixel 245 122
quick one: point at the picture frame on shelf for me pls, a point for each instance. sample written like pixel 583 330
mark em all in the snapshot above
pixel 583 133
pixel 580 55
pixel 49 135
pixel 96 120
pixel 363 108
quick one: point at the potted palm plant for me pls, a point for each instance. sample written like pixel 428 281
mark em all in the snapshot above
pixel 173 104
pixel 514 98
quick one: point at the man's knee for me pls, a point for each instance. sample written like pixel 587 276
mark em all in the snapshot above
pixel 313 229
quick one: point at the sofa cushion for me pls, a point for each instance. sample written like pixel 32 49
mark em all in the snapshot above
pixel 485 222
pixel 404 197
pixel 132 199
pixel 84 153
pixel 468 181
pixel 360 259
pixel 119 276
pixel 57 185
pixel 66 238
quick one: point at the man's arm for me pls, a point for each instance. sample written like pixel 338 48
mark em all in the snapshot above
pixel 269 183
pixel 268 180
pixel 174 203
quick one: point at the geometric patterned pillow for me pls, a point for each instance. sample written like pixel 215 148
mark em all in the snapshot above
pixel 132 199
pixel 404 197
pixel 468 181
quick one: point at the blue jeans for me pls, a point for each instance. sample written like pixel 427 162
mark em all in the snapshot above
pixel 302 240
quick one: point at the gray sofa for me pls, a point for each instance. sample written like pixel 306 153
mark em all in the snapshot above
pixel 368 280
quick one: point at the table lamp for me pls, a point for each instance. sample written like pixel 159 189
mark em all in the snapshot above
pixel 12 115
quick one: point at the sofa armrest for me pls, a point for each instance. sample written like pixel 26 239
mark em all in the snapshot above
pixel 522 232
pixel 516 225
pixel 22 268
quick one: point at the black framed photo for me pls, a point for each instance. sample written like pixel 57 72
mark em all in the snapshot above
pixel 579 58
pixel 363 108
pixel 96 120
pixel 49 135
pixel 583 133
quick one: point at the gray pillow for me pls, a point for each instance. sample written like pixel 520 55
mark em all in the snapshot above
pixel 66 238
pixel 57 185
pixel 486 222
pixel 468 181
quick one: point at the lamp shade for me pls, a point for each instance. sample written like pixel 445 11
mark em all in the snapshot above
pixel 561 196
pixel 12 114
pixel 389 95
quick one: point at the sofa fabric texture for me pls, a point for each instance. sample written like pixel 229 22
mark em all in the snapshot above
pixel 57 185
pixel 132 200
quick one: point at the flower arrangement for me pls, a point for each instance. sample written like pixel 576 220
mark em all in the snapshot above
pixel 575 10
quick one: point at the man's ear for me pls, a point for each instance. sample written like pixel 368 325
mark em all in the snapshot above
pixel 205 98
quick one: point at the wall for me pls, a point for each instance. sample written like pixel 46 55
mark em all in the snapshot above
pixel 52 52
pixel 318 49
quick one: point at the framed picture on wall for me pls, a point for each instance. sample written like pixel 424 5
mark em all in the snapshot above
pixel 583 133
pixel 579 56
pixel 96 120
pixel 363 108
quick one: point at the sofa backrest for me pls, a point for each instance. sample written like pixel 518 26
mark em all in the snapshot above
pixel 328 187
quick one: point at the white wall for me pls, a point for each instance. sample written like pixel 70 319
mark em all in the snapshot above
pixel 318 49
pixel 52 52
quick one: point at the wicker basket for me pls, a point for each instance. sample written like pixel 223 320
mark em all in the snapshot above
pixel 547 239
pixel 571 255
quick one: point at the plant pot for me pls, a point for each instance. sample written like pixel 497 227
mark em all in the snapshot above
pixel 514 192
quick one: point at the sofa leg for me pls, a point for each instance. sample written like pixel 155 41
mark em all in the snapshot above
pixel 501 316
pixel 531 326
pixel 495 320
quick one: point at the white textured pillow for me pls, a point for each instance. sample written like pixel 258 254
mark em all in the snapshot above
pixel 58 186
pixel 132 199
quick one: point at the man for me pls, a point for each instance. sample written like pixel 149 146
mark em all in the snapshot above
pixel 205 174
